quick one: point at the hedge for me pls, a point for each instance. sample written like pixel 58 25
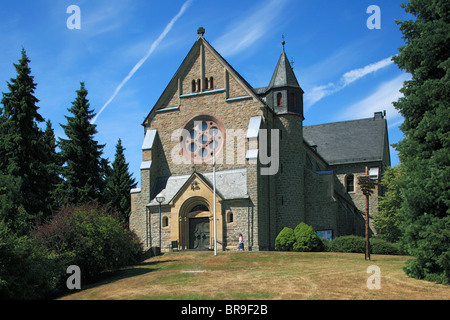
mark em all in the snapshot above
pixel 357 244
pixel 304 238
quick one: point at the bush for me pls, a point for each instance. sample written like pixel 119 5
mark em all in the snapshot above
pixel 306 239
pixel 26 270
pixel 93 236
pixel 380 246
pixel 357 244
pixel 285 240
pixel 348 244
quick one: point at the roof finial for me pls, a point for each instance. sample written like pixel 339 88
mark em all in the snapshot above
pixel 201 31
pixel 282 42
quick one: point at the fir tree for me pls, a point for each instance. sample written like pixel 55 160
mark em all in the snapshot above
pixel 425 150
pixel 119 184
pixel 54 164
pixel 22 153
pixel 81 154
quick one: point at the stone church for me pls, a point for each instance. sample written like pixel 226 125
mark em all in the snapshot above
pixel 213 142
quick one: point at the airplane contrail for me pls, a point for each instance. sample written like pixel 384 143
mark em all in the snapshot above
pixel 141 62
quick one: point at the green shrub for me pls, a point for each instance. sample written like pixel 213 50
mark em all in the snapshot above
pixel 357 244
pixel 26 270
pixel 380 246
pixel 306 239
pixel 348 244
pixel 285 240
pixel 93 237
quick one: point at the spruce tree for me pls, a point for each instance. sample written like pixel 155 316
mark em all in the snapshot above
pixel 119 184
pixel 424 152
pixel 54 164
pixel 22 153
pixel 81 154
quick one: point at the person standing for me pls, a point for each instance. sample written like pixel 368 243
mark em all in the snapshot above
pixel 241 242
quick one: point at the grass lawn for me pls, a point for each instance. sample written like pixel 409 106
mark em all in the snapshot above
pixel 262 275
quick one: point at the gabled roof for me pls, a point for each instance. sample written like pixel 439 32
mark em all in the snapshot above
pixel 173 83
pixel 283 76
pixel 348 141
pixel 230 185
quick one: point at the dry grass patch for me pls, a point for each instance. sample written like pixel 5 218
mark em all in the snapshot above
pixel 263 275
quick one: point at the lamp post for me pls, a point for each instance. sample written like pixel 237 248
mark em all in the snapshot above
pixel 160 199
pixel 214 200
pixel 367 184
pixel 213 133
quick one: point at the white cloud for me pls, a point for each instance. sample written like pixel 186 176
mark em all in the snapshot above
pixel 244 32
pixel 381 99
pixel 319 92
pixel 356 74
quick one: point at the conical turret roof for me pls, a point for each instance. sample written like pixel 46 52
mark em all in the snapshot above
pixel 283 75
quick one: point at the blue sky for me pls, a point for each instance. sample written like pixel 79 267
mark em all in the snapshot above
pixel 127 51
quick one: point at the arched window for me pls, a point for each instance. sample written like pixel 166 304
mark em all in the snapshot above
pixel 198 85
pixel 193 86
pixel 165 222
pixel 230 217
pixel 279 99
pixel 206 83
pixel 350 183
pixel 211 83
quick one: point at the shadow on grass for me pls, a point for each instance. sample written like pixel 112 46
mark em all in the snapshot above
pixel 138 269
pixel 131 271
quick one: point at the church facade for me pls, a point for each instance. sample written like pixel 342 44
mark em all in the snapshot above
pixel 214 146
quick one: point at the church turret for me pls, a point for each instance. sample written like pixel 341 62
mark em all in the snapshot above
pixel 284 94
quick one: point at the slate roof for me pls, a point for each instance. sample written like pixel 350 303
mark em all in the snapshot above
pixel 348 141
pixel 283 76
pixel 230 184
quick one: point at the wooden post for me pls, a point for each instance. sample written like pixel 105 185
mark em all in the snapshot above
pixel 366 184
pixel 367 256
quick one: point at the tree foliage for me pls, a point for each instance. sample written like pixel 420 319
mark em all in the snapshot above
pixel 23 150
pixel 387 219
pixel 119 183
pixel 36 182
pixel 425 150
pixel 81 153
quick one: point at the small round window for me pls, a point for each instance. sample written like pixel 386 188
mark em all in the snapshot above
pixel 201 138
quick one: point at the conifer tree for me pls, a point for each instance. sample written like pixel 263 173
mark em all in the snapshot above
pixel 22 153
pixel 81 154
pixel 54 164
pixel 119 184
pixel 424 152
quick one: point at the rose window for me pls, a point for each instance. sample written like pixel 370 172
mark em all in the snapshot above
pixel 201 137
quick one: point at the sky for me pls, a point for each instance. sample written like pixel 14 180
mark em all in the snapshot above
pixel 127 51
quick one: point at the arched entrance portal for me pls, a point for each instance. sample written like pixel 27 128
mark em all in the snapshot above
pixel 195 225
